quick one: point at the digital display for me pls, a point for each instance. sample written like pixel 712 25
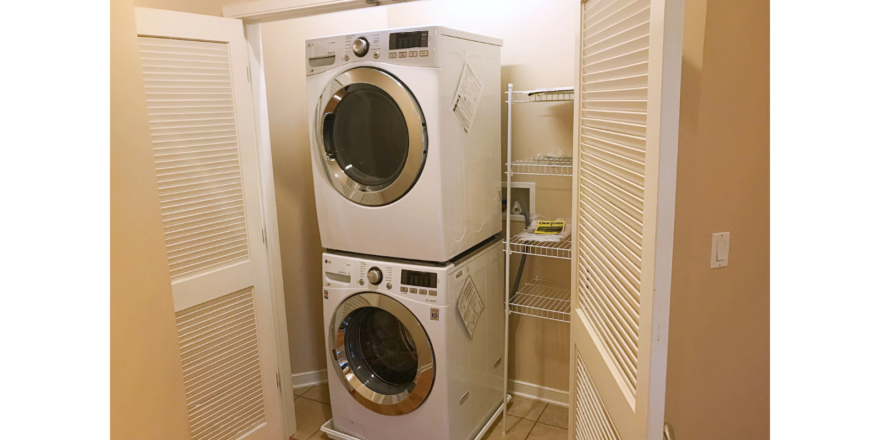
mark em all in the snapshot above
pixel 406 40
pixel 420 279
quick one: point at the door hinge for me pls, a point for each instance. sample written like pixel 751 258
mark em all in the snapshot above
pixel 249 73
pixel 278 380
pixel 264 235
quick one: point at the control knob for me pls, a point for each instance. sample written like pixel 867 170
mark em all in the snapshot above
pixel 360 47
pixel 374 275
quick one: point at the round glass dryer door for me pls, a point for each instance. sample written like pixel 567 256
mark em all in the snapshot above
pixel 381 354
pixel 371 136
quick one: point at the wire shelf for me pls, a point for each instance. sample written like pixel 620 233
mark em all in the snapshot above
pixel 560 249
pixel 545 95
pixel 543 299
pixel 544 166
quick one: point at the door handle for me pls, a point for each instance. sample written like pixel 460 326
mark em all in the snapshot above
pixel 668 432
pixel 327 134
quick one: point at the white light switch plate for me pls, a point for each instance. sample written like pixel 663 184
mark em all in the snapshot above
pixel 720 250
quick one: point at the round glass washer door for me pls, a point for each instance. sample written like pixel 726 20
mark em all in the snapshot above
pixel 381 353
pixel 371 136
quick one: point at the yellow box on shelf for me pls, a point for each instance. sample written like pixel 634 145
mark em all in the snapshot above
pixel 550 227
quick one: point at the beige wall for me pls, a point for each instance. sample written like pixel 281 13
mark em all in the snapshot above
pixel 146 377
pixel 284 55
pixel 539 51
pixel 718 382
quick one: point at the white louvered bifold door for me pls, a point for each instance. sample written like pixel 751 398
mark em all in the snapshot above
pixel 202 126
pixel 624 195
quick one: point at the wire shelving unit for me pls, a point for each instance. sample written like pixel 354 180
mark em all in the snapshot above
pixel 544 166
pixel 552 249
pixel 543 95
pixel 544 299
pixel 538 298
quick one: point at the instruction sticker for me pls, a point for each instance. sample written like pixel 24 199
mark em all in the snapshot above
pixel 470 306
pixel 467 97
pixel 550 227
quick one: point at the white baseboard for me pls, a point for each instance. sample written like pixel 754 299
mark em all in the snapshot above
pixel 308 378
pixel 514 387
pixel 537 392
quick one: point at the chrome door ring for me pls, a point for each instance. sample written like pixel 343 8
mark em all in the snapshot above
pixel 397 404
pixel 373 195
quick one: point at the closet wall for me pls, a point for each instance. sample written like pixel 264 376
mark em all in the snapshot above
pixel 718 378
pixel 146 377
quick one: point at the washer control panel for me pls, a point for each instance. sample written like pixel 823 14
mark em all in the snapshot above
pixel 410 47
pixel 414 282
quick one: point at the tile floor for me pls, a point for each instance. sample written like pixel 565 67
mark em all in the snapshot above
pixel 526 419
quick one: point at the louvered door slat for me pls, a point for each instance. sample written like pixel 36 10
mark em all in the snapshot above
pixel 208 362
pixel 625 264
pixel 601 43
pixel 617 16
pixel 625 238
pixel 592 421
pixel 208 358
pixel 613 119
pixel 221 363
pixel 190 81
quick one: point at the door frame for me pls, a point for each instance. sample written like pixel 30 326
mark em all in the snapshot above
pixel 252 14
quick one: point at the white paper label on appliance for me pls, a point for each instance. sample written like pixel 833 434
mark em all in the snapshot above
pixel 470 306
pixel 467 97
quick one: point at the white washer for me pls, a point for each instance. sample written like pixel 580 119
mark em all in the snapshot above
pixel 401 362
pixel 395 174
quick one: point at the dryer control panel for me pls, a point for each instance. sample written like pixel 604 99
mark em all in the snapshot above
pixel 408 47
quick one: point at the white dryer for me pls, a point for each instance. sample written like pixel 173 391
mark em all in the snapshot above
pixel 395 171
pixel 401 361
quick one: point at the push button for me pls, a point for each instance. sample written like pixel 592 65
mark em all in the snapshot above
pixel 403 289
pixel 423 53
pixel 423 291
pixel 402 54
pixel 392 55
pixel 413 290
pixel 413 53
pixel 432 292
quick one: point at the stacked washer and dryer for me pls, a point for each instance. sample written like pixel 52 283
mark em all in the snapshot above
pixel 409 209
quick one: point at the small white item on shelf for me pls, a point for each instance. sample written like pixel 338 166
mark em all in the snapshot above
pixel 517 209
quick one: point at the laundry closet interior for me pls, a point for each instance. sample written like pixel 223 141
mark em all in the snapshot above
pixel 539 348
pixel 461 204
